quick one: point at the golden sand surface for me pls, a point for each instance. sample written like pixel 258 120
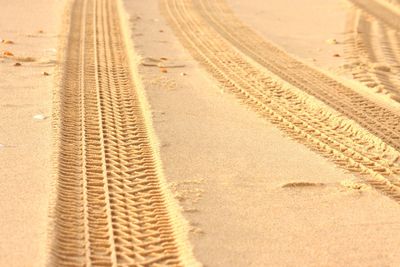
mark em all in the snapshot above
pixel 200 132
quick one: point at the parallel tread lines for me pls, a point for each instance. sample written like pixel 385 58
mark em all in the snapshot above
pixel 379 120
pixel 373 34
pixel 110 209
pixel 318 129
pixel 82 108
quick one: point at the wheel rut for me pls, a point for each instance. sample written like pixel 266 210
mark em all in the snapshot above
pixel 377 119
pixel 111 208
pixel 373 53
pixel 382 10
pixel 278 88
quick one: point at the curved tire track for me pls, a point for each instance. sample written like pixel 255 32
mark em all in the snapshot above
pixel 379 120
pixel 302 117
pixel 374 53
pixel 381 11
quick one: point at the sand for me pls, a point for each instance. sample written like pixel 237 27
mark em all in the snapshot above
pixel 253 196
pixel 25 151
pixel 312 30
pixel 372 47
pixel 112 207
pixel 199 142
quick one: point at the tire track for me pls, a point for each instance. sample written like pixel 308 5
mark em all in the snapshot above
pixel 110 208
pixel 357 53
pixel 380 10
pixel 301 116
pixel 374 55
pixel 379 120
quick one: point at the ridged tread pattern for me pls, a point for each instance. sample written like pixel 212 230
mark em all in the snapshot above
pixel 109 208
pixel 379 120
pixel 381 11
pixel 304 118
pixel 373 50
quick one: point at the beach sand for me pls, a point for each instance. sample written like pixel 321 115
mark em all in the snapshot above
pixel 254 188
pixel 25 127
pixel 253 196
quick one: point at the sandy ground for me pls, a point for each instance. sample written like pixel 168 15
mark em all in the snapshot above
pixel 232 171
pixel 252 196
pixel 25 142
pixel 305 28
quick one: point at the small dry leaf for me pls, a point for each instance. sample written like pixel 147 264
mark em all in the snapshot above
pixel 7 42
pixel 163 70
pixel 163 58
pixel 161 30
pixel 336 55
pixel 17 64
pixel 8 54
pixel 46 73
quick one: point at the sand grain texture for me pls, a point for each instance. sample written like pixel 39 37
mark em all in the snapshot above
pixel 200 132
pixel 231 187
pixel 25 154
pixel 373 40
pixel 302 117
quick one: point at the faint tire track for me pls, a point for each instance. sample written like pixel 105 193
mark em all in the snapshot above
pixel 110 207
pixel 356 51
pixel 378 9
pixel 296 113
pixel 375 118
pixel 374 56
